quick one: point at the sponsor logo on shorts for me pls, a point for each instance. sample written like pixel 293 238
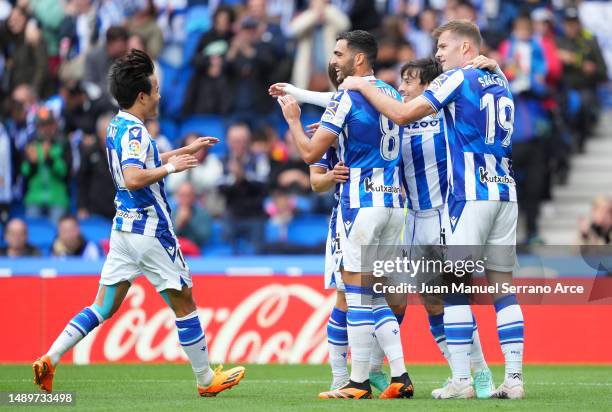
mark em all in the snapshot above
pixel 370 187
pixel 129 215
pixel 486 177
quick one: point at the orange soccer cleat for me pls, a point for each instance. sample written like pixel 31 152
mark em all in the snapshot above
pixel 222 380
pixel 400 387
pixel 43 373
pixel 351 390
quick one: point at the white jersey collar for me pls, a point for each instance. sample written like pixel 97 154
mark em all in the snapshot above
pixel 129 116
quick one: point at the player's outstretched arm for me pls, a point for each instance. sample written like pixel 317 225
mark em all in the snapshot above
pixel 322 180
pixel 136 178
pixel 301 95
pixel 200 143
pixel 312 149
pixel 394 110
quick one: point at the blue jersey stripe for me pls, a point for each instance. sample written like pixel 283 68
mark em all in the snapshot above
pixel 419 166
pixel 482 191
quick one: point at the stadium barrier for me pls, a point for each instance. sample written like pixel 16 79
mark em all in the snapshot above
pixel 259 316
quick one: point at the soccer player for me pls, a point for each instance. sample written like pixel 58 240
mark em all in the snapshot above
pixel 370 209
pixel 142 239
pixel 481 208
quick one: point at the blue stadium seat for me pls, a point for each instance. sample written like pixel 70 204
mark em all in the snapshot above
pixel 96 228
pixel 41 232
pixel 217 250
pixel 272 232
pixel 216 236
pixel 169 128
pixel 2 242
pixel 308 230
pixel 206 125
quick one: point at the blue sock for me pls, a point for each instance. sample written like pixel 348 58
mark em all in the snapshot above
pixel 337 338
pixel 400 318
pixel 436 327
pixel 84 322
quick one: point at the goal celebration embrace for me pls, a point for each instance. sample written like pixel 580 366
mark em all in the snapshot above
pixel 257 205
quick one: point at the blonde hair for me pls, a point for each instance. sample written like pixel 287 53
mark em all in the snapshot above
pixel 462 28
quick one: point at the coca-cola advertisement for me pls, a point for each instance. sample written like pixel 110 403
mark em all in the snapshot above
pixel 258 319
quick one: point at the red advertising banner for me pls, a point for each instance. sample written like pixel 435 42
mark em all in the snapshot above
pixel 255 319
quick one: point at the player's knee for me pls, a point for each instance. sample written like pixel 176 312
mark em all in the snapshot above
pixel 341 301
pixel 434 309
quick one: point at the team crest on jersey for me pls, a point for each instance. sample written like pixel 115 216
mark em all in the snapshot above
pixel 134 147
pixel 437 83
pixel 330 111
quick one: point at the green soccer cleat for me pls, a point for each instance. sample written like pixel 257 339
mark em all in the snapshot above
pixel 483 384
pixel 379 380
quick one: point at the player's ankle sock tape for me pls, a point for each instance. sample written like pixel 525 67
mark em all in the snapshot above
pixel 189 329
pixel 336 328
pixel 510 325
pixel 85 321
pixel 104 307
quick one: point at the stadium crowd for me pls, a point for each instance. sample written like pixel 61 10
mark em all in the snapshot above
pixel 215 61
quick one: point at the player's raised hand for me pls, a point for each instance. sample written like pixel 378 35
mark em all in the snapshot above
pixel 278 89
pixel 340 172
pixel 290 107
pixel 183 162
pixel 312 128
pixel 482 62
pixel 353 83
pixel 202 143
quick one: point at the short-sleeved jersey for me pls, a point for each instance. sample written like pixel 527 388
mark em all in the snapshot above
pixel 479 114
pixel 425 163
pixel 328 161
pixel 145 211
pixel 369 145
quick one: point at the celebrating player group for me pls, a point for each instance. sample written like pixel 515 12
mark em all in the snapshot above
pixel 427 165
pixel 447 150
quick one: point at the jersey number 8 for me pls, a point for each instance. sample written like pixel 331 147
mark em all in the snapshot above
pixel 390 142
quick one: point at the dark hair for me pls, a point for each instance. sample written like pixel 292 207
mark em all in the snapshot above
pixel 361 41
pixel 115 33
pixel 129 76
pixel 67 216
pixel 225 9
pixel 426 69
pixel 463 28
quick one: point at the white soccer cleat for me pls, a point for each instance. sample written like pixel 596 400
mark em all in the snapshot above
pixel 510 389
pixel 454 389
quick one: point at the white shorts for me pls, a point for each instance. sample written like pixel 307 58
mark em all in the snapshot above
pixel 372 227
pixel 488 224
pixel 423 228
pixel 333 255
pixel 131 254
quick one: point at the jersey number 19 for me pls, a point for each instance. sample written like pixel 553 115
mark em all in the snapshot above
pixel 504 116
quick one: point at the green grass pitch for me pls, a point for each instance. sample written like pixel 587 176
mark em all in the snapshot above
pixel 171 387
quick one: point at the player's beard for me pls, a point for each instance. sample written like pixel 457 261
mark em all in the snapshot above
pixel 345 71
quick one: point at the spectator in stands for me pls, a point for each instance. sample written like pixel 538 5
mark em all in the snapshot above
pixel 256 168
pixel 244 217
pixel 291 175
pixel 208 92
pixel 584 68
pixel 95 187
pixel 16 237
pixel 204 178
pixel 49 14
pixel 281 210
pixel 163 144
pixel 525 66
pixel 25 53
pixel 9 161
pixel 249 64
pixel 363 15
pixel 80 30
pixel 421 36
pixel 315 30
pixel 99 59
pixel 190 220
pixel 598 229
pixel 20 116
pixel 144 23
pixel 70 241
pixel 46 169
pixel 268 31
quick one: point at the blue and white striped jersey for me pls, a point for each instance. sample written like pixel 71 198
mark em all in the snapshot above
pixel 479 115
pixel 424 163
pixel 145 211
pixel 369 144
